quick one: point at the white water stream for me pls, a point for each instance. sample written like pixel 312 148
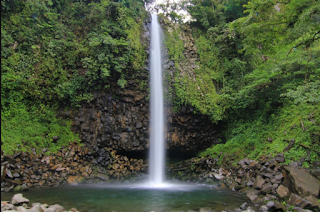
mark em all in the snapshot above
pixel 157 141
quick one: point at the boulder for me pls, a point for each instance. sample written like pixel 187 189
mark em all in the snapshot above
pixel 279 206
pixel 313 202
pixel 102 177
pixel 263 208
pixel 295 209
pixel 57 208
pixel 253 196
pixel 9 173
pixel 73 180
pixel 205 209
pixel 232 185
pixel 316 173
pixel 36 208
pixel 223 171
pixel 244 206
pixel 267 188
pixel 270 204
pixel 283 191
pixel 218 176
pixel 7 206
pixel 22 209
pixel 18 199
pixel 245 162
pixel 258 183
pixel 50 210
pixel 278 177
pixel 249 209
pixel 301 182
pixel 279 158
pixel 296 200
pixel 267 175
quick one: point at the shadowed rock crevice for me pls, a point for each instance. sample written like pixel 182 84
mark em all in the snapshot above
pixel 135 154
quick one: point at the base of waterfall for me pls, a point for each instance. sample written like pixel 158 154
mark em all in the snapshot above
pixel 167 185
pixel 135 197
pixel 170 186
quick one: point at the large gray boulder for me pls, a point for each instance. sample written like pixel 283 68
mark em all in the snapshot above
pixel 57 208
pixel 36 208
pixel 18 199
pixel 22 209
pixel 301 182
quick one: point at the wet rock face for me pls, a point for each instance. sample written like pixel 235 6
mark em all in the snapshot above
pixel 188 131
pixel 117 119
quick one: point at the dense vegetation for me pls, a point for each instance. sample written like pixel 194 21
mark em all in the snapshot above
pixel 258 75
pixel 54 54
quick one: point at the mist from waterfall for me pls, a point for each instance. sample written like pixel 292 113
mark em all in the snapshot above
pixel 157 141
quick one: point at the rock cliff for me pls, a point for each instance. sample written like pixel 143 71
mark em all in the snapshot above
pixel 119 118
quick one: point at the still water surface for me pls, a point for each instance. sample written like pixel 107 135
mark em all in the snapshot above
pixel 135 198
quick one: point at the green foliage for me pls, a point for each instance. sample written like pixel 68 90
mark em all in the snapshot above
pixel 54 53
pixel 69 91
pixel 309 93
pixel 258 74
pixel 207 13
pixel 175 46
pixel 22 129
pixel 248 138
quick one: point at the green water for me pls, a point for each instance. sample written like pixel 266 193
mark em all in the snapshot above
pixel 130 198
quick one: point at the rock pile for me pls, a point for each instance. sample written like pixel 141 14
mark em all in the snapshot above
pixel 71 165
pixel 268 183
pixel 20 204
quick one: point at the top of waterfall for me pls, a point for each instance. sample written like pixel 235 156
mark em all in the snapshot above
pixel 152 8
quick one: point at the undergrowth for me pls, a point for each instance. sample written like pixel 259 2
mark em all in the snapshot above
pixel 261 135
pixel 24 130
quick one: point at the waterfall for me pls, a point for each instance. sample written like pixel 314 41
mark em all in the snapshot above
pixel 157 141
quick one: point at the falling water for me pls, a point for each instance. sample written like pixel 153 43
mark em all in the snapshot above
pixel 157 142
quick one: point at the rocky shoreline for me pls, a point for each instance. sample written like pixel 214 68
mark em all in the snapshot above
pixel 269 184
pixel 20 204
pixel 73 164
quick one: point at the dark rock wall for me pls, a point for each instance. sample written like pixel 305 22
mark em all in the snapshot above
pixel 188 131
pixel 120 120
pixel 116 118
